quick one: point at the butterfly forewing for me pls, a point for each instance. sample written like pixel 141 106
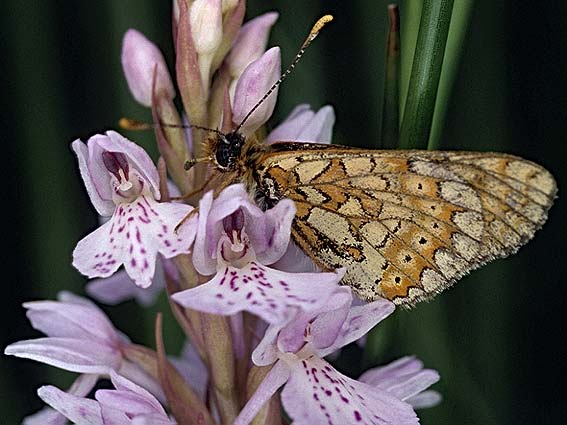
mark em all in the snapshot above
pixel 406 224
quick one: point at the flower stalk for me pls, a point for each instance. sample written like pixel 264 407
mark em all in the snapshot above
pixel 425 73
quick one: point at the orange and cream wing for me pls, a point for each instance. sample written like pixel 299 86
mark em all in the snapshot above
pixel 408 224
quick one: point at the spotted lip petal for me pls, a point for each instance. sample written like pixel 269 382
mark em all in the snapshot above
pixel 271 294
pixel 317 393
pixel 133 236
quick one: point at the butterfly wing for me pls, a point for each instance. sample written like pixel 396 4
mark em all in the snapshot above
pixel 407 224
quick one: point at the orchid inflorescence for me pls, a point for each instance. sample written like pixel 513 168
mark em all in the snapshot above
pixel 257 313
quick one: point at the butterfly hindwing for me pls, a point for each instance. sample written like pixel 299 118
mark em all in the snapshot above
pixel 406 224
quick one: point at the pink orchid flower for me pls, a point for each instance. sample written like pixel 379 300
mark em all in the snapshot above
pixel 236 241
pixel 314 391
pixel 122 182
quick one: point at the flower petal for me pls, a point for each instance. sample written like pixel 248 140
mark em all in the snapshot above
pixel 205 246
pixel 268 293
pixel 71 320
pixel 254 82
pixel 316 393
pixel 49 416
pixel 77 409
pixel 133 236
pixel 321 326
pixel 425 399
pixel 359 321
pixel 97 185
pixel 119 288
pixel 303 125
pixel 75 355
pixel 277 234
pixel 404 378
pixel 98 254
pixel 140 59
pixel 275 378
pixel 250 43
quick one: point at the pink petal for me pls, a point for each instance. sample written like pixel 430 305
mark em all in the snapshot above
pixel 75 355
pixel 133 236
pixel 140 59
pixel 71 320
pixel 97 185
pixel 99 254
pixel 254 82
pixel 295 260
pixel 303 125
pixel 49 416
pixel 119 288
pixel 320 326
pixel 403 378
pixel 359 321
pixel 316 393
pixel 125 385
pixel 205 243
pixel 277 234
pixel 275 378
pixel 425 399
pixel 250 43
pixel 271 294
pixel 77 409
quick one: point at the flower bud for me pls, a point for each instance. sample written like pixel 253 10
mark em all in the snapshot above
pixel 254 82
pixel 140 59
pixel 250 43
pixel 206 25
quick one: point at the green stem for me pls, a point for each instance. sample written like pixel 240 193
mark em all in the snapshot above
pixel 453 50
pixel 425 74
pixel 391 109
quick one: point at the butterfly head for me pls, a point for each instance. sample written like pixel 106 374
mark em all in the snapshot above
pixel 227 150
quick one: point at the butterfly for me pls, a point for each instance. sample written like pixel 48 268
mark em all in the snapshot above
pixel 406 224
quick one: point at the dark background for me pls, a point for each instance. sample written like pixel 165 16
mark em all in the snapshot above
pixel 497 338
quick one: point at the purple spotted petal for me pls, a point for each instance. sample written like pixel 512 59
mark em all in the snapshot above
pixel 133 236
pixel 271 294
pixel 316 393
pixel 404 378
pixel 359 321
pixel 303 125
pixel 75 355
pixel 254 82
pixel 49 416
pixel 275 378
pixel 78 410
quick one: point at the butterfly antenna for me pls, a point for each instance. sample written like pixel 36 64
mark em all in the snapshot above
pixel 312 35
pixel 135 125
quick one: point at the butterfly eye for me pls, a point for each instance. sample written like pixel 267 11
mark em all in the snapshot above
pixel 228 150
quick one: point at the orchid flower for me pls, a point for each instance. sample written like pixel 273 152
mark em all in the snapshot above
pixel 314 391
pixel 237 240
pixel 122 182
